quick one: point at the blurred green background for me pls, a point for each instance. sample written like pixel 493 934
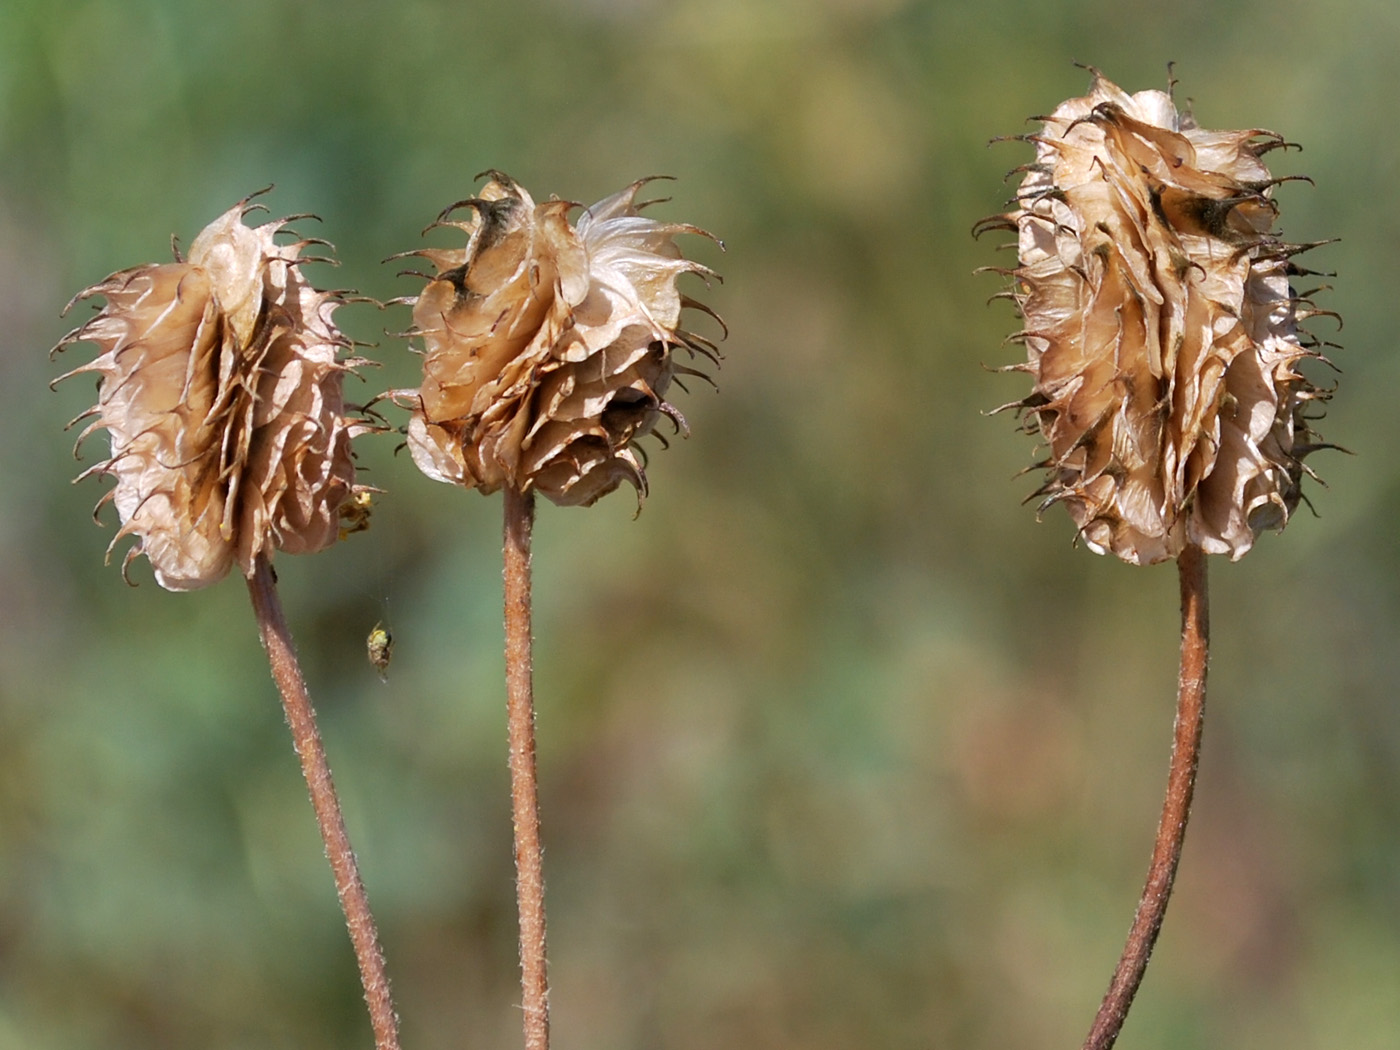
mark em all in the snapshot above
pixel 839 747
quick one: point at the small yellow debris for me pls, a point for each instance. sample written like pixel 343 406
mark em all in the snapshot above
pixel 380 645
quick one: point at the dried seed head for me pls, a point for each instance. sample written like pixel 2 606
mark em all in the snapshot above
pixel 547 346
pixel 1161 330
pixel 220 388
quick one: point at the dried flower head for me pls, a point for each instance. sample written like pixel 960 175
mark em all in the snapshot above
pixel 547 346
pixel 1161 330
pixel 220 388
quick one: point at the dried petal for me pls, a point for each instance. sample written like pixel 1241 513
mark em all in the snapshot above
pixel 220 388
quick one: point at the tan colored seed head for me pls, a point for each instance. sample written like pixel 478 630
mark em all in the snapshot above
pixel 220 388
pixel 1161 330
pixel 548 345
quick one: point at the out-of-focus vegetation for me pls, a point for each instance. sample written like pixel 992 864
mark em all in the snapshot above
pixel 840 749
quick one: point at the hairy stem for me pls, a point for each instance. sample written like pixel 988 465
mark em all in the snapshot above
pixel 1181 783
pixel 524 793
pixel 354 902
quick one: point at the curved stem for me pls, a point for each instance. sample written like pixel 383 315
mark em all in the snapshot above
pixel 524 794
pixel 354 901
pixel 1181 783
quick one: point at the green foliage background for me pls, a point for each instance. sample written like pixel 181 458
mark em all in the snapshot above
pixel 839 747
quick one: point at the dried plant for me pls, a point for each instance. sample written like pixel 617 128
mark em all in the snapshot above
pixel 1161 331
pixel 1163 339
pixel 548 347
pixel 548 351
pixel 220 388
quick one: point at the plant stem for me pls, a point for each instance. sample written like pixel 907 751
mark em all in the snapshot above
pixel 301 717
pixel 524 791
pixel 1181 783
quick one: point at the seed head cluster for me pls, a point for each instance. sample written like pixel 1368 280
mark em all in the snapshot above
pixel 1161 330
pixel 220 381
pixel 548 346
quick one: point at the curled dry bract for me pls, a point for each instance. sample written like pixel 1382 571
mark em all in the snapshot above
pixel 548 346
pixel 220 387
pixel 1161 329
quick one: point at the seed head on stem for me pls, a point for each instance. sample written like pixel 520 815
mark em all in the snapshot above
pixel 220 380
pixel 549 349
pixel 1163 338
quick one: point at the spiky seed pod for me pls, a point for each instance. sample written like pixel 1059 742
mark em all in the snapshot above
pixel 1161 330
pixel 548 346
pixel 220 388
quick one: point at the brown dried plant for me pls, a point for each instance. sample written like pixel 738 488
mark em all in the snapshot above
pixel 1161 331
pixel 220 388
pixel 219 384
pixel 1163 340
pixel 549 348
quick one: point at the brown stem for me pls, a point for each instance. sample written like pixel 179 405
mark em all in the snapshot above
pixel 520 707
pixel 1181 783
pixel 354 902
